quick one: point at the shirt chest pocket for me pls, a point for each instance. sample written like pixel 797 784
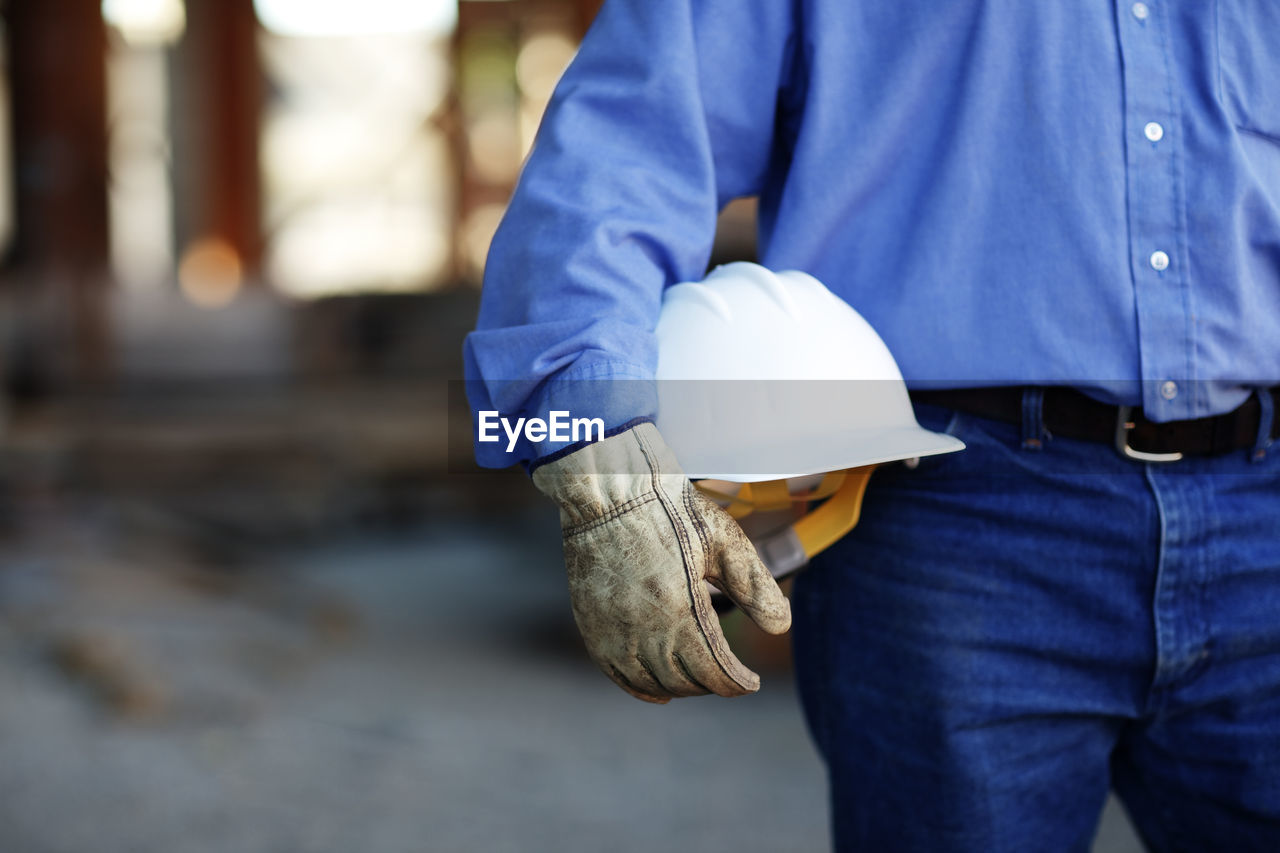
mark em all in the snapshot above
pixel 1249 63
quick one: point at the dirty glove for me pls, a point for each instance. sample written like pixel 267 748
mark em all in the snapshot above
pixel 639 542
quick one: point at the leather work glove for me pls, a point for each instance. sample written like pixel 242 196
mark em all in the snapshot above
pixel 639 542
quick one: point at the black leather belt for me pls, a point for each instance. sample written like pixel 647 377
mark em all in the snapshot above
pixel 1071 414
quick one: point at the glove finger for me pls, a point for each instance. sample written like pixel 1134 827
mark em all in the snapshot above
pixel 738 572
pixel 684 666
pixel 705 658
pixel 640 684
pixel 667 665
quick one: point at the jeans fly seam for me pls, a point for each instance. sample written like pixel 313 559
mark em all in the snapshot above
pixel 1165 635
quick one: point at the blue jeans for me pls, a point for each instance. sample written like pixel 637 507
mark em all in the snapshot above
pixel 1009 632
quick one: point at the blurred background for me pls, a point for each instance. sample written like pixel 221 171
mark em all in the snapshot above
pixel 251 596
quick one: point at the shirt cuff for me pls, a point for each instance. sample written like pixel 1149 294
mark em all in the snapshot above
pixel 571 410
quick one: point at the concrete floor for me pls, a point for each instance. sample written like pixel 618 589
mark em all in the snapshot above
pixel 400 692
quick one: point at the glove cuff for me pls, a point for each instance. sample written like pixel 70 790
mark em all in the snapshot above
pixel 611 477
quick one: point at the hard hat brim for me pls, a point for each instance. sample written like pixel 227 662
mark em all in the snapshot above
pixel 850 449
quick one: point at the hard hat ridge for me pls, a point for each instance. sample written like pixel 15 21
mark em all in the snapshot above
pixel 764 374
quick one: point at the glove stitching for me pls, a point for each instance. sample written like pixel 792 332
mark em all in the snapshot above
pixel 616 512
pixel 701 614
pixel 699 526
pixel 686 556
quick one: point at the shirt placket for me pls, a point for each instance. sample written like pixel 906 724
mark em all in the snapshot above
pixel 1157 221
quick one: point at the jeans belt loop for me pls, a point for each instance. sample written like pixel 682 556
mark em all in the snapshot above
pixel 1033 431
pixel 1266 423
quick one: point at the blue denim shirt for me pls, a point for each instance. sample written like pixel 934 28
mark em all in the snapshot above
pixel 1066 193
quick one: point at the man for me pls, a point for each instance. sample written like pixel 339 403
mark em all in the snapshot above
pixel 1064 220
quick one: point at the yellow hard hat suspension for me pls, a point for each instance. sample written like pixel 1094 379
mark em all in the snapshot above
pixel 823 527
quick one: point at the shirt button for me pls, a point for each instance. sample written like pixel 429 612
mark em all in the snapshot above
pixel 1140 11
pixel 1153 131
pixel 1169 389
pixel 1159 261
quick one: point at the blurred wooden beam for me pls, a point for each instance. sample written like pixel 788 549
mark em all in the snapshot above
pixel 586 11
pixel 57 57
pixel 217 112
pixel 57 52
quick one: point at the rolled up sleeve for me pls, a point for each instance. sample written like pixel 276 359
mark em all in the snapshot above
pixel 666 113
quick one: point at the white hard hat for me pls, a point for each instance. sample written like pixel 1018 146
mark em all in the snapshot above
pixel 771 377
pixel 765 376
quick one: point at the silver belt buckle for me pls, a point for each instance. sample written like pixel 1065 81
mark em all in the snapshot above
pixel 1123 425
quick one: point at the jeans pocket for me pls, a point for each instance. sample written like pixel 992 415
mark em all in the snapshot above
pixel 1249 64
